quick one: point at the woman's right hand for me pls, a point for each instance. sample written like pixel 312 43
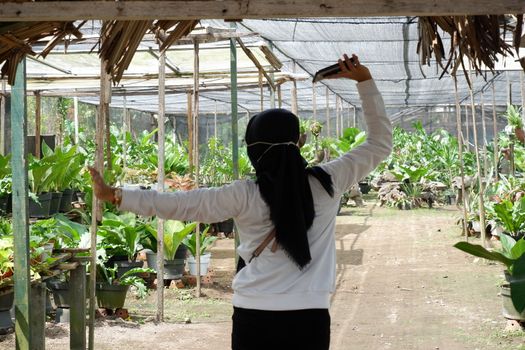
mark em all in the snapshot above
pixel 101 190
pixel 351 70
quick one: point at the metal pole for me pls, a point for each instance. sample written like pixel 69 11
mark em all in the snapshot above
pixel 190 130
pixel 160 185
pixel 460 155
pixel 215 122
pixel 125 122
pixel 22 286
pixel 337 126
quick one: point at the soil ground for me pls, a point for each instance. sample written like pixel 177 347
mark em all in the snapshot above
pixel 400 285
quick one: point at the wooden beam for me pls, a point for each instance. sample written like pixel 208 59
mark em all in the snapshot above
pixel 195 126
pixel 160 186
pixel 237 9
pixel 38 122
pixel 20 210
pixel 255 61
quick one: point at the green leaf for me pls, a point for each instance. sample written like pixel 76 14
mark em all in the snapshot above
pixel 479 251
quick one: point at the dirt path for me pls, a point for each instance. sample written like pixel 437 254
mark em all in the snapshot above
pixel 400 286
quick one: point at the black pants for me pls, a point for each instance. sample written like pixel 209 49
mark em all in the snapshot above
pixel 280 330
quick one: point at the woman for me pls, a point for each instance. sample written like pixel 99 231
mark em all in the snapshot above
pixel 285 220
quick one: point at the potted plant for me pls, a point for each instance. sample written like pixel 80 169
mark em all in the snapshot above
pixel 121 240
pixel 174 257
pixel 40 178
pixel 111 290
pixel 206 242
pixel 5 183
pixel 513 257
pixel 514 122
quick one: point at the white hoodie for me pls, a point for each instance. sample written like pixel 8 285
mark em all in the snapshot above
pixel 272 281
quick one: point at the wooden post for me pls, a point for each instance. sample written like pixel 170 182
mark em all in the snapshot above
pixel 460 155
pixel 20 209
pixel 160 184
pixel 294 91
pixel 215 121
pixel 509 88
pixel 478 167
pixel 196 156
pixel 327 112
pixel 355 117
pixel 96 214
pixel 37 325
pixel 522 91
pixel 484 126
pixel 495 131
pixel 314 101
pixel 279 96
pixel 261 91
pixel 77 284
pixel 107 123
pixel 234 117
pixel 190 129
pixel 337 126
pixel 467 126
pixel 75 118
pixel 272 78
pixel 125 122
pixel 3 131
pixel 38 122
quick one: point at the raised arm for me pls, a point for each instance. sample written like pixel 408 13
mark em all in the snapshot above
pixel 357 163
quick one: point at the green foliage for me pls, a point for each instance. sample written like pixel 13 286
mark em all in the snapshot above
pixel 129 278
pixel 121 235
pixel 352 137
pixel 511 215
pixel 206 242
pixel 174 233
pixel 513 115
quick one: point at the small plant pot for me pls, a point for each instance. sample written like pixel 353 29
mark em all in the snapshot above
pixel 365 187
pixel 6 303
pixel 125 266
pixel 173 269
pixel 520 134
pixel 61 293
pixel 56 197
pixel 65 202
pixel 205 262
pixel 48 251
pixel 40 210
pixel 111 296
pixel 4 202
pixel 508 310
pixel 451 199
pixel 225 226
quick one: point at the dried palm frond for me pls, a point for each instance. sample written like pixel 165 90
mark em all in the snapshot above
pixel 16 40
pixel 479 39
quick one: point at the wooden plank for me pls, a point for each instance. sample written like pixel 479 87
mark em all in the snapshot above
pixel 234 111
pixel 3 131
pixel 235 9
pixel 77 332
pixel 20 209
pixel 38 122
pixel 38 317
pixel 195 126
pixel 160 186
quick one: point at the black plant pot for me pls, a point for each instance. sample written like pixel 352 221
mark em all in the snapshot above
pixel 65 203
pixel 4 202
pixel 56 197
pixel 61 294
pixel 364 187
pixel 111 296
pixel 6 302
pixel 225 226
pixel 124 266
pixel 40 210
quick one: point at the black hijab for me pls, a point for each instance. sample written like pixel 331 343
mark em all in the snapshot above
pixel 282 177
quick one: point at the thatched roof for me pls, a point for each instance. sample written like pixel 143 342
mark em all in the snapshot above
pixel 117 45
